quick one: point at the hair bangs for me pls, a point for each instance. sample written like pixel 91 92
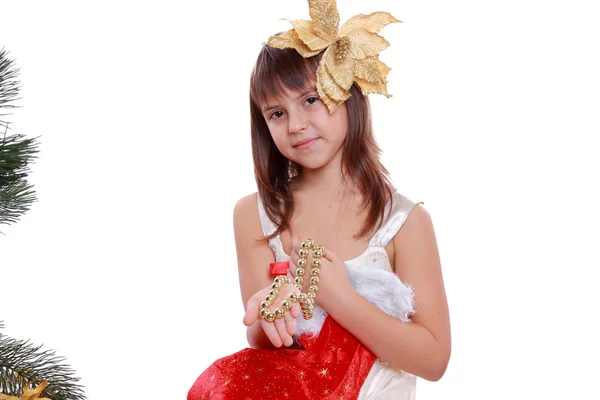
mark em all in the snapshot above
pixel 280 70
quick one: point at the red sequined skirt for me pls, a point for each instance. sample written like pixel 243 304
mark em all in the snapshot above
pixel 333 365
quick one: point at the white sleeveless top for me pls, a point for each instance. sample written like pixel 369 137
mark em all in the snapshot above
pixel 383 382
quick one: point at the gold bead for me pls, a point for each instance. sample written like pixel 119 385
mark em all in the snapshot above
pixel 313 289
pixel 274 292
pixel 270 298
pixel 314 280
pixel 300 271
pixel 302 263
pixel 299 280
pixel 311 243
pixel 302 298
pixel 316 263
pixel 276 285
pixel 279 279
pixel 278 313
pixel 315 272
pixel 305 244
pixel 294 297
pixel 270 317
pixel 265 304
pixel 311 296
pixel 264 312
pixel 303 253
pixel 299 287
pixel 318 253
pixel 321 249
pixel 286 305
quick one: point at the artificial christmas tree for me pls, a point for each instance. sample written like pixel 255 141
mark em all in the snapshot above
pixel 26 371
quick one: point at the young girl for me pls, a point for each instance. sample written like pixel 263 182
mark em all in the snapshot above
pixel 380 315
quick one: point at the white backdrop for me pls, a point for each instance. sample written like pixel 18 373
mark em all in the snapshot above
pixel 126 265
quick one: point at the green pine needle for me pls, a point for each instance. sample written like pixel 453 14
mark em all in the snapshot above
pixel 16 194
pixel 16 152
pixel 22 364
pixel 9 85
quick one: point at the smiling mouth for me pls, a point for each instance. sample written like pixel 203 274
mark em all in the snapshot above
pixel 306 144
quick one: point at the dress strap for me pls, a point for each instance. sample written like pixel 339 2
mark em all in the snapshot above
pixel 394 219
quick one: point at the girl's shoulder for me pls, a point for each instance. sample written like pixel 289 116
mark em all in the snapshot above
pixel 245 215
pixel 246 204
pixel 250 214
pixel 413 218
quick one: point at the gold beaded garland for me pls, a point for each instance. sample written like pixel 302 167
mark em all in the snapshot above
pixel 306 300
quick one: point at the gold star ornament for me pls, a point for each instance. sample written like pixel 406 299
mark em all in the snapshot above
pixel 351 52
pixel 29 394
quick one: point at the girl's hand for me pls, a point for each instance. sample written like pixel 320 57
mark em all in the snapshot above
pixel 333 278
pixel 281 330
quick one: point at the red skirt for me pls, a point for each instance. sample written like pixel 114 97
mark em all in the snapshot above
pixel 333 365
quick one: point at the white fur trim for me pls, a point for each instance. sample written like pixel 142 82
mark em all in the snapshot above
pixel 382 288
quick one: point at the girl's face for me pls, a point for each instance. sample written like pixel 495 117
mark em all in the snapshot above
pixel 303 129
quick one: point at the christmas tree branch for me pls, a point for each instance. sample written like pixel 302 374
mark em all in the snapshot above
pixel 16 152
pixel 16 194
pixel 22 364
pixel 9 85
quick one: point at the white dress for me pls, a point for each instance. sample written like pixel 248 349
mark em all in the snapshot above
pixel 370 275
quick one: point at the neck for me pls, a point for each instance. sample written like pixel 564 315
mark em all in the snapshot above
pixel 327 181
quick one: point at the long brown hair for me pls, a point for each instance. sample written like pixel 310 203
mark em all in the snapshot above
pixel 280 69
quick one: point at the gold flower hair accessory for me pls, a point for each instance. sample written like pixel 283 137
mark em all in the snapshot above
pixel 351 55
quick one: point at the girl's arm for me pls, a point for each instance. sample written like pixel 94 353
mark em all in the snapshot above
pixel 420 347
pixel 253 257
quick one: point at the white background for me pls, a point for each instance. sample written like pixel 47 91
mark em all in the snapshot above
pixel 126 265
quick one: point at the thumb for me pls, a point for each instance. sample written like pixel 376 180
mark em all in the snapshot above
pixel 330 256
pixel 296 242
pixel 251 312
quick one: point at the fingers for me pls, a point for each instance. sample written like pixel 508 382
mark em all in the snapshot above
pixel 284 335
pixel 294 264
pixel 295 310
pixel 251 311
pixel 290 323
pixel 330 256
pixel 271 332
pixel 296 244
pixel 281 330
pixel 294 256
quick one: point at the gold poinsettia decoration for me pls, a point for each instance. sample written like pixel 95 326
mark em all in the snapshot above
pixel 351 55
pixel 29 394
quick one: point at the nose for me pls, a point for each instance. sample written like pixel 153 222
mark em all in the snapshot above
pixel 297 122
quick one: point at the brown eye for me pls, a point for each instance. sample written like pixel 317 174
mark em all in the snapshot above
pixel 312 100
pixel 277 114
